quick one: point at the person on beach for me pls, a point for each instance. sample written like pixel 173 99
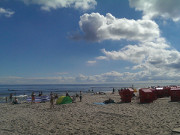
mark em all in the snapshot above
pixel 51 100
pixel 33 97
pixel 10 97
pixel 113 91
pixel 80 96
pixel 67 94
pixel 56 96
pixel 15 101
pixel 6 99
pixel 74 98
pixel 40 94
pixel 109 101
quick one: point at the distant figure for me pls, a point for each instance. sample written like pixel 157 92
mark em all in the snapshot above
pixel 109 101
pixel 113 91
pixel 67 94
pixel 15 101
pixel 56 96
pixel 33 97
pixel 6 99
pixel 74 99
pixel 80 96
pixel 10 97
pixel 77 95
pixel 51 100
pixel 40 94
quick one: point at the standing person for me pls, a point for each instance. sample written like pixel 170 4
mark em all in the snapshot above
pixel 113 91
pixel 10 97
pixel 55 97
pixel 80 96
pixel 67 94
pixel 39 94
pixel 33 97
pixel 51 100
pixel 74 99
pixel 6 99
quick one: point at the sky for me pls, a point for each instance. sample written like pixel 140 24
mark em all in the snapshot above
pixel 89 41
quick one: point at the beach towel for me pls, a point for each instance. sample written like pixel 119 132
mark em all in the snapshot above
pixel 99 103
pixel 39 99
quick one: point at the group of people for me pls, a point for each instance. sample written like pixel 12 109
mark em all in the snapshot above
pixel 75 96
pixel 15 101
pixel 53 97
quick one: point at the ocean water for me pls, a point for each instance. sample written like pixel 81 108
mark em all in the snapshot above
pixel 5 90
pixel 61 89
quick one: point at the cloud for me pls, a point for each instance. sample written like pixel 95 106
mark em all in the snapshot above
pixel 6 12
pixel 96 27
pixel 91 62
pixel 136 53
pixel 55 4
pixel 156 60
pixel 62 73
pixel 167 9
pixel 126 77
pixel 152 57
pixel 108 77
pixel 36 80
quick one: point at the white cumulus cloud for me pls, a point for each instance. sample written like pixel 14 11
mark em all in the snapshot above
pixel 6 12
pixel 167 9
pixel 96 27
pixel 156 60
pixel 91 62
pixel 55 4
pixel 152 56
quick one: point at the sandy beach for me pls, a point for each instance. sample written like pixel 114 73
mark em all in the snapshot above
pixel 157 118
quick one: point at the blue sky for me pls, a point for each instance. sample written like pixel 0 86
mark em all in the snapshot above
pixel 89 41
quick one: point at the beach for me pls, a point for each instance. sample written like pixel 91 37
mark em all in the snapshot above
pixel 157 118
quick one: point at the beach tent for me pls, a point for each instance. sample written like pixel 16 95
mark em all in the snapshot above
pixel 64 100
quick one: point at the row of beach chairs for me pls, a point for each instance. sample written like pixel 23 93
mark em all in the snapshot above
pixel 148 95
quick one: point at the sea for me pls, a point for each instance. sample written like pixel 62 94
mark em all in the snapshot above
pixel 61 89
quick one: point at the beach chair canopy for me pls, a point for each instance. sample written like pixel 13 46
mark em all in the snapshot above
pixel 64 100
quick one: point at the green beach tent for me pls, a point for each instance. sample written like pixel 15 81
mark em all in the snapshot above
pixel 64 100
